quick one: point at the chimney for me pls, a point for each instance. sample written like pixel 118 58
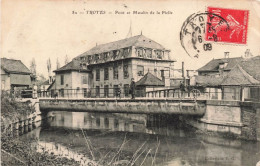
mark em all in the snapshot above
pixel 226 54
pixel 182 69
pixel 188 73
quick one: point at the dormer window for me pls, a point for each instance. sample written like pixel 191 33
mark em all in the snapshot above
pixel 159 54
pixel 97 57
pixel 140 52
pixel 223 64
pixel 105 56
pixel 149 53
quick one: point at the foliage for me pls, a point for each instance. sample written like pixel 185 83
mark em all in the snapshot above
pixel 17 152
pixel 12 110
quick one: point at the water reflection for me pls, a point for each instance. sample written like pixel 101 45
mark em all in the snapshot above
pixel 155 139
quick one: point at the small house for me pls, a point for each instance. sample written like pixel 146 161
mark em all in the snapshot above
pixel 243 81
pixel 14 75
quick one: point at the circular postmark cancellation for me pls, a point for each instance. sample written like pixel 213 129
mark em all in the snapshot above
pixel 201 30
pixel 193 35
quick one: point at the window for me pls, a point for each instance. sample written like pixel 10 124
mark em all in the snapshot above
pixel 85 92
pixel 97 74
pixel 96 57
pixel 125 70
pixel 140 70
pixel 126 52
pixel 106 73
pixel 114 54
pixel 105 56
pixel 62 79
pixel 159 54
pixel 97 91
pixel 149 53
pixel 115 71
pixel 116 90
pixel 84 79
pixel 126 90
pixel 89 58
pixel 106 90
pixel 139 52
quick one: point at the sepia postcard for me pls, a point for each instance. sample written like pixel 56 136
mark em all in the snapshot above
pixel 130 83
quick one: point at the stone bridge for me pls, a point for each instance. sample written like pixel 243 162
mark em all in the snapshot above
pixel 139 106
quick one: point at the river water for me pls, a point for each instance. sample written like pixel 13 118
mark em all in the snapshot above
pixel 115 139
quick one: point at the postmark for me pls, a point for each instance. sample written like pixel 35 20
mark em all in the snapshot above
pixel 193 32
pixel 237 21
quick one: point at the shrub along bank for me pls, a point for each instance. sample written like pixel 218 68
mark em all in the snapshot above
pixel 17 152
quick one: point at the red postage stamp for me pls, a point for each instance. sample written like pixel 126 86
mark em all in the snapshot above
pixel 232 28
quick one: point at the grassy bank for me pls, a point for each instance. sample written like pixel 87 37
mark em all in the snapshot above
pixel 17 152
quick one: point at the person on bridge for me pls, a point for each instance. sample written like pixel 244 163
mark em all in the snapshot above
pixel 182 88
pixel 132 88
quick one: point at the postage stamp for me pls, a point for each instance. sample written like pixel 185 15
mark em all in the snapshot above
pixel 237 21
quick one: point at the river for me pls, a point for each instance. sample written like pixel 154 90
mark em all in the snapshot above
pixel 117 139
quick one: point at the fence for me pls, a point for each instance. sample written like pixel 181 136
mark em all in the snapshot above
pixel 123 93
pixel 91 93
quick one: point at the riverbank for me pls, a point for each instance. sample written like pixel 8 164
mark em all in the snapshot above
pixel 16 116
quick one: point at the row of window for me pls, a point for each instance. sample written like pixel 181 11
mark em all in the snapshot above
pixel 115 72
pixel 113 54
pixel 116 90
pixel 148 53
pixel 84 79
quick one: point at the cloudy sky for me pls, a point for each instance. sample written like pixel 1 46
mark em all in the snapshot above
pixel 43 29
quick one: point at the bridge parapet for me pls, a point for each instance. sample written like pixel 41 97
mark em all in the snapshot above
pixel 138 106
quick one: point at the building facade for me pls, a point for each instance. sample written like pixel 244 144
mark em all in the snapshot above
pixel 71 80
pixel 211 76
pixel 243 81
pixel 114 64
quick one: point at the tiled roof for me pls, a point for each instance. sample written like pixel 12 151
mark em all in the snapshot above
pixel 139 41
pixel 150 80
pixel 73 65
pixel 213 65
pixel 14 66
pixel 247 72
pixel 252 66
pixel 209 80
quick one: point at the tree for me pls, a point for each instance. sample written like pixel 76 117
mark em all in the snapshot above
pixel 49 66
pixel 57 64
pixel 66 59
pixel 33 67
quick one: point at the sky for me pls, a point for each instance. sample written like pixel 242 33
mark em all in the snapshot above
pixel 44 29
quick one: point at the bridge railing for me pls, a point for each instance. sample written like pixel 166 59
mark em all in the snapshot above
pixel 119 93
pixel 124 93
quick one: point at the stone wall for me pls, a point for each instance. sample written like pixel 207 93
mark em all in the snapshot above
pixel 249 123
pixel 231 117
pixel 258 123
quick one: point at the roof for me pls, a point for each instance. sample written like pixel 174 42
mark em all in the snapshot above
pixel 209 80
pixel 138 41
pixel 74 65
pixel 247 72
pixel 213 65
pixel 50 87
pixel 45 83
pixel 14 66
pixel 149 80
